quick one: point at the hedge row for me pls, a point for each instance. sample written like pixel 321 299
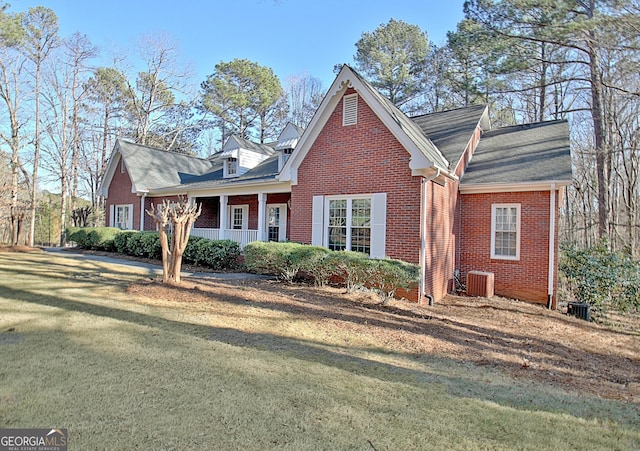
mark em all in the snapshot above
pixel 214 254
pixel 288 261
pixel 96 238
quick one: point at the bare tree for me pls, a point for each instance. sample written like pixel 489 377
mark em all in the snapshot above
pixel 178 217
pixel 41 36
pixel 13 96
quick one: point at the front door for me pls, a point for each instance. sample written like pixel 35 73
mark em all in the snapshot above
pixel 277 222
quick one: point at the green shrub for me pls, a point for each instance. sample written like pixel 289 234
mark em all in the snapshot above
pixel 273 258
pixel 316 262
pixel 600 277
pixel 214 254
pixel 191 253
pixel 121 239
pixel 135 245
pixel 78 236
pixel 387 275
pixel 150 244
pixel 351 267
pixel 101 238
pixel 96 238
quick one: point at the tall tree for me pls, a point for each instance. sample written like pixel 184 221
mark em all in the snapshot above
pixel 41 36
pixel 582 27
pixel 61 117
pixel 304 94
pixel 106 98
pixel 241 93
pixel 393 58
pixel 154 92
pixel 12 94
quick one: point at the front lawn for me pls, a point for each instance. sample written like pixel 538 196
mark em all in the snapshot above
pixel 125 363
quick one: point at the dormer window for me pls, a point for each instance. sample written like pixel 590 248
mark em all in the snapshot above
pixel 231 167
pixel 286 153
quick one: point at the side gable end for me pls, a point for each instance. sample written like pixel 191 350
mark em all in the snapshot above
pixel 425 159
pixel 112 165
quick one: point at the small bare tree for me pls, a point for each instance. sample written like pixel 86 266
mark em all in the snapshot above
pixel 178 217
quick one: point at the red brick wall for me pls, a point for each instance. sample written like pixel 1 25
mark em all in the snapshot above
pixel 210 216
pixel 149 223
pixel 526 278
pixel 441 205
pixel 361 159
pixel 120 194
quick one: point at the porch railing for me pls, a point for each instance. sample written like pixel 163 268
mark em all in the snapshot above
pixel 242 237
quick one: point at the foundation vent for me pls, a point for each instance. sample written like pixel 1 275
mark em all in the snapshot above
pixel 480 284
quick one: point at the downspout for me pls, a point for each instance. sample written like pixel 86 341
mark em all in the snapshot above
pixel 552 244
pixel 423 236
pixel 144 196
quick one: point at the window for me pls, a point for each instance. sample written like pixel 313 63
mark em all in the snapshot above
pixel 123 217
pixel 231 166
pixel 505 231
pixel 356 223
pixel 349 225
pixel 277 222
pixel 350 109
pixel 239 217
pixel 286 153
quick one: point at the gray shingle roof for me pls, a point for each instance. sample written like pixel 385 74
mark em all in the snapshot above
pixel 265 171
pixel 151 168
pixel 522 154
pixel 451 130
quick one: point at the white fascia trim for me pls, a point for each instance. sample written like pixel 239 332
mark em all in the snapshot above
pixel 511 187
pixel 245 188
pixel 110 171
pixel 347 79
pixel 289 172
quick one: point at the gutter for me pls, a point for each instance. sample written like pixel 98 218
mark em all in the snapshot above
pixel 552 244
pixel 423 236
pixel 144 196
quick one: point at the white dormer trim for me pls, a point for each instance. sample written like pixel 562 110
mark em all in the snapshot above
pixel 231 167
pixel 419 163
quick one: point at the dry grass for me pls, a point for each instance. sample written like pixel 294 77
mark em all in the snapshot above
pixel 125 363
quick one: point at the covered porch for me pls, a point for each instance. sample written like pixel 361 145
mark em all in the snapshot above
pixel 244 218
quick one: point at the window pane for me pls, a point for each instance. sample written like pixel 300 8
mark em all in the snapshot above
pixel 237 219
pixel 361 240
pixel 337 224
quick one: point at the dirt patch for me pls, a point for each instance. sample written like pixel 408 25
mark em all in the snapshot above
pixel 524 340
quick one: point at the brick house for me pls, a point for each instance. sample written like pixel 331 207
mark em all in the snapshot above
pixel 440 190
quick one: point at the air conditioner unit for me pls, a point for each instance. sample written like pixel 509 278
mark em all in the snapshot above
pixel 580 310
pixel 480 283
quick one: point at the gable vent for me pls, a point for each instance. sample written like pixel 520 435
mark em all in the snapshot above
pixel 350 109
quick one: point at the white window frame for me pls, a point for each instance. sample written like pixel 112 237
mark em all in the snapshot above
pixel 282 232
pixel 228 164
pixel 494 208
pixel 116 223
pixel 320 220
pixel 245 216
pixel 348 225
pixel 350 110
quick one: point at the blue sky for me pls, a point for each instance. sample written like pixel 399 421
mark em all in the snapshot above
pixel 290 36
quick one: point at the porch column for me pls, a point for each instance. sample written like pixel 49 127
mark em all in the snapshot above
pixel 223 215
pixel 262 216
